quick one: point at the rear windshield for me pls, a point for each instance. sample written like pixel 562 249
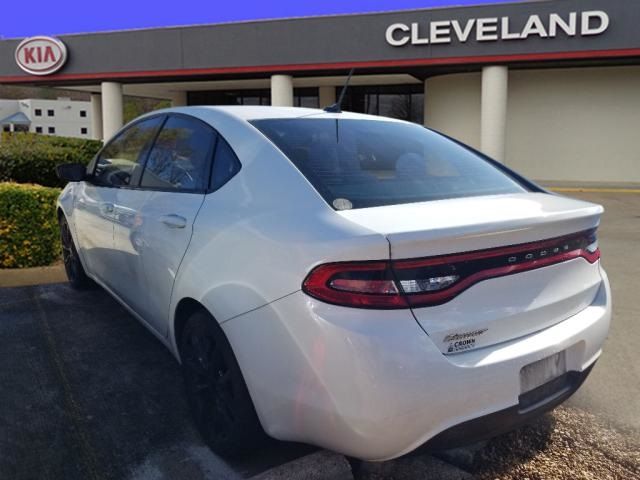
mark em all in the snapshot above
pixel 368 163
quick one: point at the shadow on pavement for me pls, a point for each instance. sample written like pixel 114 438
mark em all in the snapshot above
pixel 88 393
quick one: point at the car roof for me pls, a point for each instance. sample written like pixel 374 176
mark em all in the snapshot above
pixel 249 113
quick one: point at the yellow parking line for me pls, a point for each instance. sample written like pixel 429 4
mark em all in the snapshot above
pixel 595 190
pixel 71 406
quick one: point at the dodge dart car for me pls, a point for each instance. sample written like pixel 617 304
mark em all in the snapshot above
pixel 354 282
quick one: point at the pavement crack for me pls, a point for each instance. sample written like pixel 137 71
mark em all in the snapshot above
pixel 71 407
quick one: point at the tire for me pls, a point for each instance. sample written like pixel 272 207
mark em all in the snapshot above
pixel 218 398
pixel 78 278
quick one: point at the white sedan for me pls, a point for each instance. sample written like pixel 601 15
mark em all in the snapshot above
pixel 354 282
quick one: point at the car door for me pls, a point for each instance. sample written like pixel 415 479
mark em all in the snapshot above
pixel 113 169
pixel 172 186
pixel 94 227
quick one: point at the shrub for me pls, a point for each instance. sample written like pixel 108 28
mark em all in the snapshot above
pixel 32 158
pixel 29 233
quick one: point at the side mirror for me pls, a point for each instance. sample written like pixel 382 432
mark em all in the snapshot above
pixel 72 172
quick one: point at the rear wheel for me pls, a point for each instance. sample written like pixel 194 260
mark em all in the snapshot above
pixel 72 265
pixel 218 397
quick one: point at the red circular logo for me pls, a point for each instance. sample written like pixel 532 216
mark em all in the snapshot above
pixel 41 55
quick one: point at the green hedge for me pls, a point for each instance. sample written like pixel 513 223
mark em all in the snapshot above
pixel 32 158
pixel 29 233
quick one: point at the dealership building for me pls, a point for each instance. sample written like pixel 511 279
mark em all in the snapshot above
pixel 550 88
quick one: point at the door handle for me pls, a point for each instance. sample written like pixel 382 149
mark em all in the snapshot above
pixel 106 208
pixel 174 221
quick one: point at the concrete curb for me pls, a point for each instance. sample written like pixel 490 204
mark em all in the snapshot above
pixel 26 277
pixel 462 457
pixel 325 465
pixel 321 465
pixel 423 467
pixel 191 462
pixel 594 190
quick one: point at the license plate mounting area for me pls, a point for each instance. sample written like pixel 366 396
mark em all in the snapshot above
pixel 543 381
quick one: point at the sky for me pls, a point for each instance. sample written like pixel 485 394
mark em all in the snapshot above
pixel 39 17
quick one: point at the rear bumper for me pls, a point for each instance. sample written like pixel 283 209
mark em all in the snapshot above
pixel 371 384
pixel 547 397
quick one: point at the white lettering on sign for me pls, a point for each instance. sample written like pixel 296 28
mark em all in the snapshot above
pixel 495 29
pixel 463 33
pixel 594 23
pixel 41 55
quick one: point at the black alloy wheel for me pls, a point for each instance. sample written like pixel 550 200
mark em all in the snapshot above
pixel 72 264
pixel 218 398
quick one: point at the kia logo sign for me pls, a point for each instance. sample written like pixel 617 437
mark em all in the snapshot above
pixel 41 55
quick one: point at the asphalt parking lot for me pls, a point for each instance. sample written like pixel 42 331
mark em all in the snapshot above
pixel 613 389
pixel 87 393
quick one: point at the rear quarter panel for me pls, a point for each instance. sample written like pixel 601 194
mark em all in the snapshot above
pixel 255 239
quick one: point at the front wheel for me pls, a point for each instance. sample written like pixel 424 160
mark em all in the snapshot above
pixel 218 397
pixel 72 265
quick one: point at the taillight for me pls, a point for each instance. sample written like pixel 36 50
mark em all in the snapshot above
pixel 436 280
pixel 357 284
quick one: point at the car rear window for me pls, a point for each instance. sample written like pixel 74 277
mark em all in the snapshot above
pixel 356 163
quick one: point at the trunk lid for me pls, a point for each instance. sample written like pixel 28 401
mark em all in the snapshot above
pixel 497 309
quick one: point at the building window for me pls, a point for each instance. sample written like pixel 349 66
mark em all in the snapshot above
pixel 38 129
pixel 302 97
pixel 230 97
pixel 405 102
pixel 306 97
pixel 50 113
pixel 38 112
pixel 83 113
pixel 83 131
pixel 51 130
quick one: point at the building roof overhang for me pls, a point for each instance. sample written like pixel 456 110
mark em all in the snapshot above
pixel 334 44
pixel 17 118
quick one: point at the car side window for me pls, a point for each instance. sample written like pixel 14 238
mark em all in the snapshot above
pixel 180 156
pixel 120 162
pixel 225 164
